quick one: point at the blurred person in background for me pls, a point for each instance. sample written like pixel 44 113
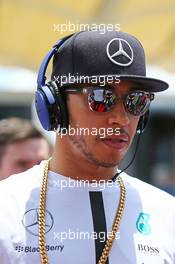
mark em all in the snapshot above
pixel 21 146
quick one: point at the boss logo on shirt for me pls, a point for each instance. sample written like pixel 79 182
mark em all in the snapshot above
pixel 148 249
pixel 31 219
pixel 142 224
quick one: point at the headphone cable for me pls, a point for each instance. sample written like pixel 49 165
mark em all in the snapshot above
pixel 137 144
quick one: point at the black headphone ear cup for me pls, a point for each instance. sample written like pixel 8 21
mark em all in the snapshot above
pixel 58 115
pixel 142 123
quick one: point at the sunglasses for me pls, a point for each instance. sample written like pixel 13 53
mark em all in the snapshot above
pixel 103 99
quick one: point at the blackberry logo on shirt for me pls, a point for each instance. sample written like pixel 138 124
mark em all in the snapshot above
pixel 146 249
pixel 31 219
pixel 142 224
pixel 35 249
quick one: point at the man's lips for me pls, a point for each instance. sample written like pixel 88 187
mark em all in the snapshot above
pixel 118 142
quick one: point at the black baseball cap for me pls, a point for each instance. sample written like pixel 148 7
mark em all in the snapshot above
pixel 113 53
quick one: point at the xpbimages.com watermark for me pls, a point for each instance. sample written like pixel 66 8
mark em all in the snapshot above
pixel 70 183
pixel 85 131
pixel 82 235
pixel 80 79
pixel 76 27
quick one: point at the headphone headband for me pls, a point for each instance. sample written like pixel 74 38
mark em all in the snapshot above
pixel 42 70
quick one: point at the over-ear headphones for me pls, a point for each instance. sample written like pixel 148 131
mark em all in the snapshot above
pixel 50 101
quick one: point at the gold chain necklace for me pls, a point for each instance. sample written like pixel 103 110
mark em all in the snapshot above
pixel 42 210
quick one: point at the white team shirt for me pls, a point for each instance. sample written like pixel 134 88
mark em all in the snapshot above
pixel 77 218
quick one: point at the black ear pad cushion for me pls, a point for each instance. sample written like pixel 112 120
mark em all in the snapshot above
pixel 59 114
pixel 143 121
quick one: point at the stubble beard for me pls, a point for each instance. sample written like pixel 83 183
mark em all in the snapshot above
pixel 80 143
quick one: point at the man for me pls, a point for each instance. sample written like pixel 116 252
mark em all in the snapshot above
pixel 21 146
pixel 77 207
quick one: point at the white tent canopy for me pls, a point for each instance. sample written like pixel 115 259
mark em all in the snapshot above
pixel 164 101
pixel 17 85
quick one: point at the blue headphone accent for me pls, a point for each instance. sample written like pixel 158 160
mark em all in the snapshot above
pixel 50 104
pixel 42 71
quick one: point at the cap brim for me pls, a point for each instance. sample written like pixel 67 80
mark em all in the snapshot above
pixel 148 84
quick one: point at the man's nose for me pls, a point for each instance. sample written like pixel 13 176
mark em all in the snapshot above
pixel 119 115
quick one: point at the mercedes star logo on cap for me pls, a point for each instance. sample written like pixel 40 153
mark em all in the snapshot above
pixel 123 49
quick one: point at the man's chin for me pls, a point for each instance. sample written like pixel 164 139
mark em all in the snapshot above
pixel 110 161
pixel 105 163
pixel 113 160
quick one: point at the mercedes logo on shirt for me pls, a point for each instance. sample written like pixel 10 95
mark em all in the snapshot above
pixel 120 52
pixel 30 221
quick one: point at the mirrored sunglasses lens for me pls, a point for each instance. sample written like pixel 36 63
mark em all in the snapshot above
pixel 137 103
pixel 101 100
